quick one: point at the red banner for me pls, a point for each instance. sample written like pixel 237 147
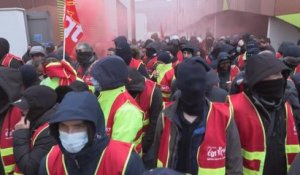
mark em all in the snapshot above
pixel 72 28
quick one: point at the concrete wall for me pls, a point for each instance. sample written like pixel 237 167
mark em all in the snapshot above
pixel 280 31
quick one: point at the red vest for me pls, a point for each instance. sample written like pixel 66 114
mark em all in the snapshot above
pixel 165 85
pixel 208 60
pixel 241 61
pixel 120 100
pixel 252 134
pixel 211 153
pixel 151 65
pixel 297 70
pixel 114 160
pixel 86 77
pixel 135 64
pixel 278 55
pixel 144 99
pixel 179 56
pixel 35 135
pixel 12 117
pixel 8 58
pixel 234 71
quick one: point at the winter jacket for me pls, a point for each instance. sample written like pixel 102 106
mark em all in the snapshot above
pixel 85 161
pixel 295 168
pixel 10 91
pixel 135 87
pixel 28 159
pixel 273 116
pixel 233 154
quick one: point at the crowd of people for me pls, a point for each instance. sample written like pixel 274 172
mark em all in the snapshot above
pixel 171 105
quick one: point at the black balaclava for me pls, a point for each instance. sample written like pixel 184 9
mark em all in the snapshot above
pixel 40 99
pixel 258 68
pixel 271 90
pixel 191 80
pixel 4 47
pixel 123 50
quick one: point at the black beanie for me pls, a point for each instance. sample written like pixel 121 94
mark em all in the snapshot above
pixel 123 50
pixel 29 75
pixel 4 47
pixel 164 57
pixel 191 74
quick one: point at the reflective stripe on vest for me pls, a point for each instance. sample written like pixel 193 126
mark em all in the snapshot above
pixel 36 133
pixel 8 59
pixel 253 140
pixel 120 101
pixel 12 117
pixel 113 160
pixel 135 64
pixel 212 151
pixel 165 84
pixel 144 99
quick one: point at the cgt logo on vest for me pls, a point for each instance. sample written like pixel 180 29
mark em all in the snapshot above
pixel 9 134
pixel 295 130
pixel 215 153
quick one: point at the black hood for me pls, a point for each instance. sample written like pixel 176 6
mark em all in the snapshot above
pixel 80 106
pixel 10 87
pixel 284 46
pixel 123 50
pixel 136 81
pixel 261 66
pixel 4 47
pixel 37 100
pixel 111 72
pixel 221 57
pixel 119 39
pixel 292 51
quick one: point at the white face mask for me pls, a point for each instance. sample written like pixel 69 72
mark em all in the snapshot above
pixel 73 142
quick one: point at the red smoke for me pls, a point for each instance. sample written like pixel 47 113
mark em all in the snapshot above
pixel 94 23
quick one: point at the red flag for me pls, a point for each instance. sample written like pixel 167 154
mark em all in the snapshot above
pixel 72 28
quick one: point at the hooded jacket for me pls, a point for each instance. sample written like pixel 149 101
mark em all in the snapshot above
pixel 10 90
pixel 135 87
pixel 112 75
pixel 84 106
pixel 272 115
pixel 233 158
pixel 28 159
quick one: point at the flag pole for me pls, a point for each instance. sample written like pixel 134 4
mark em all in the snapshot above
pixel 64 40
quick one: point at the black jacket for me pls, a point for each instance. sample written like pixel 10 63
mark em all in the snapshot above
pixel 85 161
pixel 274 122
pixel 10 91
pixel 135 87
pixel 273 115
pixel 28 159
pixel 233 147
